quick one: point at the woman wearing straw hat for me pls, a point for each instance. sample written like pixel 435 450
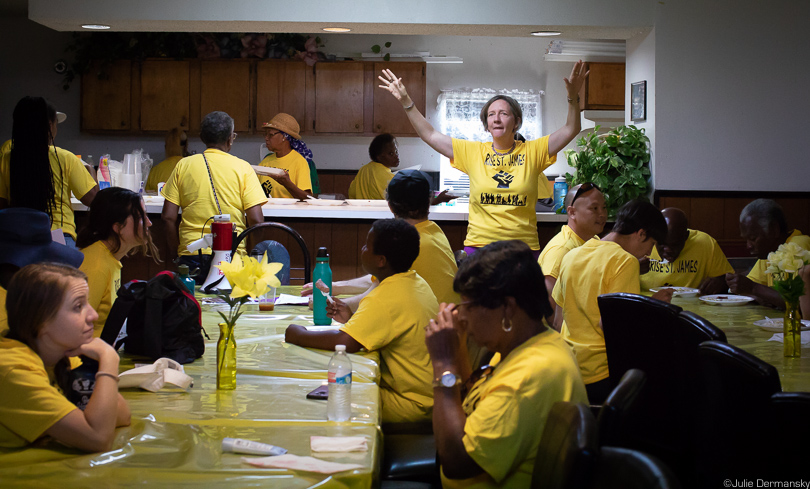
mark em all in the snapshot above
pixel 289 154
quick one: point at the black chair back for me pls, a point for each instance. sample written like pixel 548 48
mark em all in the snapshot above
pixel 613 413
pixel 292 232
pixel 622 468
pixel 661 340
pixel 734 424
pixel 568 448
pixel 788 434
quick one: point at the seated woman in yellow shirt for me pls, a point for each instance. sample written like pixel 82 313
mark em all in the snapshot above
pixel 290 154
pixel 116 225
pixel 50 320
pixel 372 179
pixel 176 149
pixel 489 437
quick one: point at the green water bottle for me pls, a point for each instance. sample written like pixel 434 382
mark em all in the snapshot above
pixel 182 270
pixel 324 273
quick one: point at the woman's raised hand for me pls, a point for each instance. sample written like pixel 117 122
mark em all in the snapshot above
pixel 394 85
pixel 575 80
pixel 95 349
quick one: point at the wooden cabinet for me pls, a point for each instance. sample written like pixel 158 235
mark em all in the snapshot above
pixel 339 97
pixel 106 97
pixel 281 87
pixel 604 87
pixel 164 95
pixel 225 86
pixel 388 114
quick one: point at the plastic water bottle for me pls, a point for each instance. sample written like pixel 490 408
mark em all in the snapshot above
pixel 560 191
pixel 339 404
pixel 324 273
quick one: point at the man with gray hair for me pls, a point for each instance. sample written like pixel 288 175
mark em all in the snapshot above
pixel 208 184
pixel 764 227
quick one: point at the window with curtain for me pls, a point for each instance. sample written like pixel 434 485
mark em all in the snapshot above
pixel 459 112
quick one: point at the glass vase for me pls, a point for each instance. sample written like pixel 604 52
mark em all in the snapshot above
pixel 792 330
pixel 226 358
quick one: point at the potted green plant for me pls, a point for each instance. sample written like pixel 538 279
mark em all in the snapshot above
pixel 617 162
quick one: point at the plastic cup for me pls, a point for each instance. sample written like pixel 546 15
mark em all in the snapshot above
pixel 267 302
pixel 130 166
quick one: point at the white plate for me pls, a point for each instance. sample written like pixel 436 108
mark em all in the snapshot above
pixel 680 291
pixel 270 171
pixel 726 299
pixel 367 202
pixel 325 202
pixel 283 201
pixel 776 325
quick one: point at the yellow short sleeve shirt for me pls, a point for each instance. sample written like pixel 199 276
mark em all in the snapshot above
pixel 296 167
pixel 161 172
pixel 552 255
pixel 595 268
pixel 189 187
pixel 103 272
pixel 507 411
pixel 758 275
pixel 392 319
pixel 503 189
pixel 31 403
pixel 69 176
pixel 371 182
pixel 436 263
pixel 700 258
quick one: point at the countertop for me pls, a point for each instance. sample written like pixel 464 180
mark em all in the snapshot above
pixel 456 212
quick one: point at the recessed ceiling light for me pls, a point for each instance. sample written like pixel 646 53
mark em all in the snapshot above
pixel 546 33
pixel 336 29
pixel 95 27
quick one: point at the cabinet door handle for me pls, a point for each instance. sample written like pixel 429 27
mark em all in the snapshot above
pixel 357 126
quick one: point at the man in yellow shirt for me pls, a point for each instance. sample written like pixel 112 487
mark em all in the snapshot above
pixel 25 238
pixel 372 179
pixel 764 227
pixel 603 267
pixel 691 258
pixel 206 185
pixel 176 147
pixel 392 319
pixel 290 155
pixel 587 214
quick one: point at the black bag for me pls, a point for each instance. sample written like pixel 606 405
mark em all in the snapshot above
pixel 163 320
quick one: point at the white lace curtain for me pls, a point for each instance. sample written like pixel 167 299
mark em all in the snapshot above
pixel 459 117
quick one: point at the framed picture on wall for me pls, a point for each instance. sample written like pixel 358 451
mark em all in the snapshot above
pixel 638 101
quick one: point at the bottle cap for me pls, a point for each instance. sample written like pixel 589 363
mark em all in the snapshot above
pixel 227 444
pixel 322 254
pixel 340 348
pixel 182 269
pixel 559 179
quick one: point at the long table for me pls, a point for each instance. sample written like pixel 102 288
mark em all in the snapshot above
pixel 175 436
pixel 737 322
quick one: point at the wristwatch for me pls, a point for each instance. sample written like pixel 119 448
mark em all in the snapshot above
pixel 447 379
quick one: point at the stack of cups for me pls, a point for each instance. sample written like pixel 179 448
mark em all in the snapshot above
pixel 131 173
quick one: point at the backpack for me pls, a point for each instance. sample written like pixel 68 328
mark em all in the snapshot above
pixel 162 320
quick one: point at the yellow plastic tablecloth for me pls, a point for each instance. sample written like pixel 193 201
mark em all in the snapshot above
pixel 175 435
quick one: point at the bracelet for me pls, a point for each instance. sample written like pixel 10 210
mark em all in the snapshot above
pixel 106 374
pixel 410 106
pixel 571 101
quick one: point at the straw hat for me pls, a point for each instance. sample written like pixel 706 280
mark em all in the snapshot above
pixel 285 123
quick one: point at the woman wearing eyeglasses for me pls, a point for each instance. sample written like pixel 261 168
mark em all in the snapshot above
pixel 488 436
pixel 290 155
pixel 504 173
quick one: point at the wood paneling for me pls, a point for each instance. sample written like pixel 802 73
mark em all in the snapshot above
pixel 280 87
pixel 106 97
pixel 225 86
pixel 388 114
pixel 164 95
pixel 339 97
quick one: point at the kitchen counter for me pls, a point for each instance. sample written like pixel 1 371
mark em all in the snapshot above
pixel 456 212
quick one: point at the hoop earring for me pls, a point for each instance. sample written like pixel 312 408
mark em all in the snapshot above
pixel 503 325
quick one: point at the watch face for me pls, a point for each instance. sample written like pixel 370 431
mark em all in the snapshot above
pixel 448 379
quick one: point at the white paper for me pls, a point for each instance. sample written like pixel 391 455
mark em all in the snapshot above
pixel 154 376
pixel 306 464
pixel 292 300
pixel 780 337
pixel 338 443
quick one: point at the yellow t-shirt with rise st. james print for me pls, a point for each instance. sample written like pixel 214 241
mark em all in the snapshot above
pixel 595 268
pixel 69 176
pixel 296 167
pixel 701 258
pixel 392 319
pixel 503 189
pixel 557 247
pixel 507 411
pixel 189 187
pixel 103 272
pixel 371 182
pixel 31 403
pixel 758 275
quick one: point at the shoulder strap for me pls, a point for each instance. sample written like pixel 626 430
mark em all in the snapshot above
pixel 211 178
pixel 120 311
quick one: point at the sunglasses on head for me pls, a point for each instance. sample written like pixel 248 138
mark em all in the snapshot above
pixel 578 191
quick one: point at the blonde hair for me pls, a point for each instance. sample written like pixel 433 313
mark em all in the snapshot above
pixel 176 143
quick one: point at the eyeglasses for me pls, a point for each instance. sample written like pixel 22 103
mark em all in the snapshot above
pixel 233 137
pixel 578 191
pixel 269 134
